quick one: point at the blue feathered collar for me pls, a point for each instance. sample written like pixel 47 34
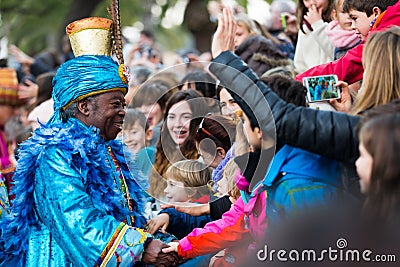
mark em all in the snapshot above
pixel 86 151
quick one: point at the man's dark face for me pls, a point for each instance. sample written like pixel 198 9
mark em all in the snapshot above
pixel 107 112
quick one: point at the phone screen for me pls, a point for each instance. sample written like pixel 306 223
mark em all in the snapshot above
pixel 321 88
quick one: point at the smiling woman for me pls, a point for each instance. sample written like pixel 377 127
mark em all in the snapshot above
pixel 176 138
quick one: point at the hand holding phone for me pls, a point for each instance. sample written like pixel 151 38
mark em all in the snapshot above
pixel 321 88
pixel 343 104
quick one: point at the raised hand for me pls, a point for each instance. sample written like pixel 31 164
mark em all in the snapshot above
pixel 224 36
pixel 20 56
pixel 314 14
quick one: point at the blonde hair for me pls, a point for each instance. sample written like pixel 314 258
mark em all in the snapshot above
pixel 194 175
pixel 230 171
pixel 246 22
pixel 254 27
pixel 381 57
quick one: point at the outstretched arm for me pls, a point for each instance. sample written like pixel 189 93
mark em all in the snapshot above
pixel 85 233
pixel 348 68
pixel 331 134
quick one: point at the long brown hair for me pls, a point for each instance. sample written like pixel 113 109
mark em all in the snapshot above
pixel 381 57
pixel 381 138
pixel 166 152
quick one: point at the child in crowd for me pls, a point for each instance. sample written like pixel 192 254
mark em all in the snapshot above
pixel 340 32
pixel 137 135
pixel 349 68
pixel 378 167
pixel 297 182
pixel 215 139
pixel 261 51
pixel 362 16
pixel 151 99
pixel 374 91
pixel 313 46
pixel 187 182
pixel 240 224
pixel 227 185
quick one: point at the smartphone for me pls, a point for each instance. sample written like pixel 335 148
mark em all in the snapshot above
pixel 283 20
pixel 321 88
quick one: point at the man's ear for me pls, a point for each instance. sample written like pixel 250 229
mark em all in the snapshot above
pixel 83 107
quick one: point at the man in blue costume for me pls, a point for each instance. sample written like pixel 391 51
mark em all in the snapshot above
pixel 77 203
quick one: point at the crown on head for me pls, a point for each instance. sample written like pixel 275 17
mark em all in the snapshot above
pixel 90 36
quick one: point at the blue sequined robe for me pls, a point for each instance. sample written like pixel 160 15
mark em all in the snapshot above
pixel 69 208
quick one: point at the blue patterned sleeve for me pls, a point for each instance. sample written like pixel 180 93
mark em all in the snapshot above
pixel 4 203
pixel 86 233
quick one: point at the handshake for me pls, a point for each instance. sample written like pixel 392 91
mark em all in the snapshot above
pixel 158 253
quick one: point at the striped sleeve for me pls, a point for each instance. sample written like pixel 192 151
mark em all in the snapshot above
pixel 124 248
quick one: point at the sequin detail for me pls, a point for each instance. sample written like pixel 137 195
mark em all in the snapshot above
pixel 112 245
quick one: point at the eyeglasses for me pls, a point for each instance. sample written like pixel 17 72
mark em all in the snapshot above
pixel 204 130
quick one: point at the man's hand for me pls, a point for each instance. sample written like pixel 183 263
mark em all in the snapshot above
pixel 194 209
pixel 162 220
pixel 224 37
pixel 153 255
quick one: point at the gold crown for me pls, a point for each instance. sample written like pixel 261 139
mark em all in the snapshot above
pixel 90 36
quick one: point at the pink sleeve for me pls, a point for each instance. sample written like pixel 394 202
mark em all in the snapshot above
pixel 216 235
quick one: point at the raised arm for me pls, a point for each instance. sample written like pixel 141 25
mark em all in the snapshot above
pixel 331 134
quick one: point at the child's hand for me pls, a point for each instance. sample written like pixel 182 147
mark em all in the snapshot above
pixel 173 247
pixel 189 208
pixel 313 15
pixel 162 220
